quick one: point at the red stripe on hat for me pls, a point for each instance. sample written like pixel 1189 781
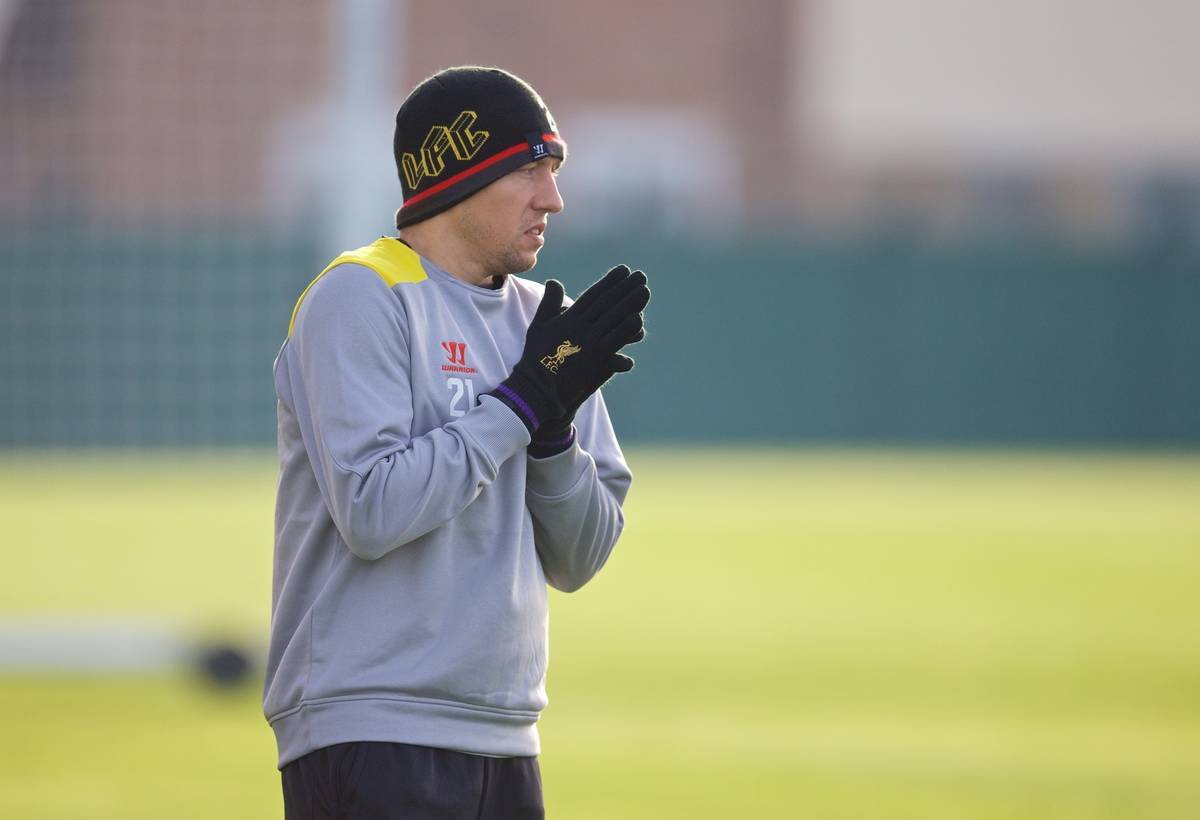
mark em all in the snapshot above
pixel 475 169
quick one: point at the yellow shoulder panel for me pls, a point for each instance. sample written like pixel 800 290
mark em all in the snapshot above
pixel 394 261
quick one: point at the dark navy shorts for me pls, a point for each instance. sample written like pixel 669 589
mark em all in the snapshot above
pixel 390 781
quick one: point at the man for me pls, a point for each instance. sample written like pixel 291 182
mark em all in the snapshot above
pixel 444 453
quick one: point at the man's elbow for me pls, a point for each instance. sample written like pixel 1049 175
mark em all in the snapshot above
pixel 368 548
pixel 567 569
pixel 569 582
pixel 367 539
pixel 569 577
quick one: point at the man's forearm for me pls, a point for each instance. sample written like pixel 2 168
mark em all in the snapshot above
pixel 385 500
pixel 577 515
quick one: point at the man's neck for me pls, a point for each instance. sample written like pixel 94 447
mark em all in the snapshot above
pixel 441 253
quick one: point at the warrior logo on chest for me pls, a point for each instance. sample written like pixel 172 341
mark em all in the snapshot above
pixel 456 358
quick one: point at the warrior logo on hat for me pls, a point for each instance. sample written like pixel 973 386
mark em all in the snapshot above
pixel 456 137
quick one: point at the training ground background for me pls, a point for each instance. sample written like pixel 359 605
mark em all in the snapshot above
pixel 971 233
pixel 781 633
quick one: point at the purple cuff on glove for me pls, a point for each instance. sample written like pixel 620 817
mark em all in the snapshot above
pixel 540 448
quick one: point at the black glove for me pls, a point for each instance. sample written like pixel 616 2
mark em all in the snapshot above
pixel 569 353
pixel 558 434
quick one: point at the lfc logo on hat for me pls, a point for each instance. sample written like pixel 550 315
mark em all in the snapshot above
pixel 458 137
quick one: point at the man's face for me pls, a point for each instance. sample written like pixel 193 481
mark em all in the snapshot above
pixel 502 225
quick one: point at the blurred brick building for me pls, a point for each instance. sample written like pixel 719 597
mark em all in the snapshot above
pixel 702 116
pixel 129 109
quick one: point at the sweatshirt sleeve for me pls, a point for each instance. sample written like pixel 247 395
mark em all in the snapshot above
pixel 575 499
pixel 350 376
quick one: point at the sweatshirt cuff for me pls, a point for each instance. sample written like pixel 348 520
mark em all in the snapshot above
pixel 496 429
pixel 557 476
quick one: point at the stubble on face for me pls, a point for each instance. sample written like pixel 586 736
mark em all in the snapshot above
pixel 496 253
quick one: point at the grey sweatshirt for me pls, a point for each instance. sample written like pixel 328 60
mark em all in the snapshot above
pixel 414 537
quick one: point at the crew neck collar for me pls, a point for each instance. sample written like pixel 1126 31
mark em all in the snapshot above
pixel 438 273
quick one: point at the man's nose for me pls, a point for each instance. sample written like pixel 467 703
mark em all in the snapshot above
pixel 547 197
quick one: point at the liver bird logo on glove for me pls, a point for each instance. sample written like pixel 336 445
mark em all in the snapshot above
pixel 565 349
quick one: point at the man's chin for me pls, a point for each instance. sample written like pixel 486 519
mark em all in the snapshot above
pixel 521 262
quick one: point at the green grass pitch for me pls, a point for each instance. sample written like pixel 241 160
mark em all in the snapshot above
pixel 780 634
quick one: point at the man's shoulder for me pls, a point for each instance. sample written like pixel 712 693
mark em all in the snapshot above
pixel 347 280
pixel 364 274
pixel 392 260
pixel 345 292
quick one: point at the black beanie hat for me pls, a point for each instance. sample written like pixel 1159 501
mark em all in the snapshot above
pixel 461 130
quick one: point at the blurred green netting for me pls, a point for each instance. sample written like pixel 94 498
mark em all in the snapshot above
pixel 168 339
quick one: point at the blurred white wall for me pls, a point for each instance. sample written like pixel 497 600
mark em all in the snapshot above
pixel 649 169
pixel 964 81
